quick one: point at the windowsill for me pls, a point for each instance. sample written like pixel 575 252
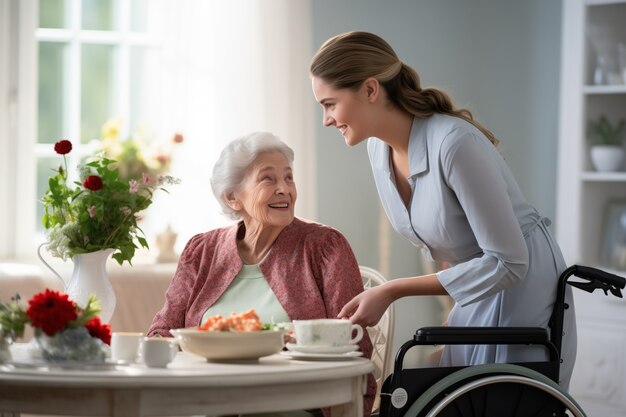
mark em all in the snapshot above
pixel 140 288
pixel 142 262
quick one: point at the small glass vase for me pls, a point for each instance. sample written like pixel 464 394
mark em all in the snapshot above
pixel 5 352
pixel 75 345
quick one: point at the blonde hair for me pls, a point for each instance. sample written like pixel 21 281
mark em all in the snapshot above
pixel 347 60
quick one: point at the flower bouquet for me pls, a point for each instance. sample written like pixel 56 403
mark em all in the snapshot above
pixel 63 330
pixel 100 211
pixel 136 155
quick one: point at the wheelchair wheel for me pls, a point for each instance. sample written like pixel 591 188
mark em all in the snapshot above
pixel 500 390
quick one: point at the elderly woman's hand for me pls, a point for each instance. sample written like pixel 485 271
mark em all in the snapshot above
pixel 368 307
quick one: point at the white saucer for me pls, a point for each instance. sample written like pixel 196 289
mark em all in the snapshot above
pixel 322 356
pixel 321 349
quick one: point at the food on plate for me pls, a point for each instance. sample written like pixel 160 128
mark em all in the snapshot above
pixel 236 322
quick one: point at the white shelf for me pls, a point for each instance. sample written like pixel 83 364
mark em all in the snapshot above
pixel 603 2
pixel 585 198
pixel 605 89
pixel 594 176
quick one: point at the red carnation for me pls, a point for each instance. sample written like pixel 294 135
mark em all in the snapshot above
pixel 93 183
pixel 178 138
pixel 100 330
pixel 51 311
pixel 63 147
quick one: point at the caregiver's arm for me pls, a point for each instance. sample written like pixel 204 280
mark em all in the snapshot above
pixel 368 307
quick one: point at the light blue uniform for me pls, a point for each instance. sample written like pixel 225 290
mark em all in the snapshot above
pixel 466 209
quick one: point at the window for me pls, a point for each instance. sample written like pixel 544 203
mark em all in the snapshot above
pixel 92 66
pixel 212 70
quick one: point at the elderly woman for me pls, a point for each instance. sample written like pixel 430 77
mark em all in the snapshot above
pixel 283 267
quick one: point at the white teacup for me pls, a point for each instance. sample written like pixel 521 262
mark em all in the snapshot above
pixel 326 332
pixel 125 346
pixel 157 352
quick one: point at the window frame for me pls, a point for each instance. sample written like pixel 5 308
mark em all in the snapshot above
pixel 19 86
pixel 6 101
pixel 19 95
pixel 197 96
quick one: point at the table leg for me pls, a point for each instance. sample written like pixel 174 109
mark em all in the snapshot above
pixel 355 407
pixel 125 403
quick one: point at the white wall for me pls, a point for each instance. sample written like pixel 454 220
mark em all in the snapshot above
pixel 498 58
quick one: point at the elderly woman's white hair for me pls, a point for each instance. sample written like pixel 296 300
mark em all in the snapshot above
pixel 235 159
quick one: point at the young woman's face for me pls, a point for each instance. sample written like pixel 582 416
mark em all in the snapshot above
pixel 345 109
pixel 268 193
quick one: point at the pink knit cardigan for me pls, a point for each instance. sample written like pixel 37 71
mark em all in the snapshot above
pixel 311 269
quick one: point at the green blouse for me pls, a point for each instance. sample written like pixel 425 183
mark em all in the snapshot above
pixel 249 290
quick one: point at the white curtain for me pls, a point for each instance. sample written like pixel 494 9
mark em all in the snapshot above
pixel 5 129
pixel 223 68
pixel 228 68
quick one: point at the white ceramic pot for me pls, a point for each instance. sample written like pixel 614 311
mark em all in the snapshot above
pixel 90 277
pixel 607 158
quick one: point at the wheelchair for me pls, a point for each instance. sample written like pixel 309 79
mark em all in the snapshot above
pixel 492 390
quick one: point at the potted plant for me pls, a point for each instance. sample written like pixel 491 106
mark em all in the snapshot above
pixel 63 330
pixel 607 144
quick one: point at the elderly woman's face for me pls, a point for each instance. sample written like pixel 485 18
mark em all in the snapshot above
pixel 268 193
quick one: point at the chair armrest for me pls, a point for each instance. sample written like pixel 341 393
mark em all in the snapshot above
pixel 481 335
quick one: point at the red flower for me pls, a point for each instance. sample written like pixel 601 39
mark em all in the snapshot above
pixel 51 311
pixel 93 183
pixel 100 330
pixel 63 147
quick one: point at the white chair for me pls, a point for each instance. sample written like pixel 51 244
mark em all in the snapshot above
pixel 381 335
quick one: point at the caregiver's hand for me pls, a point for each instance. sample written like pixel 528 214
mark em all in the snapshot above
pixel 368 307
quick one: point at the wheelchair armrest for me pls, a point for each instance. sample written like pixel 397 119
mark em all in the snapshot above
pixel 478 336
pixel 481 335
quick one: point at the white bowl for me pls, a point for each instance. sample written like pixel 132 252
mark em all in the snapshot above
pixel 216 345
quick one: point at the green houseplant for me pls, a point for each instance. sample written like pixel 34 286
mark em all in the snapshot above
pixel 603 132
pixel 607 143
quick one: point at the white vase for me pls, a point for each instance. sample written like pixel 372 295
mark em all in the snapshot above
pixel 607 158
pixel 90 277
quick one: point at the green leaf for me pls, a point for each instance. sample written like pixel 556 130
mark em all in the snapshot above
pixel 143 242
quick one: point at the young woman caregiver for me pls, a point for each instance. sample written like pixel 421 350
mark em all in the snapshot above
pixel 445 187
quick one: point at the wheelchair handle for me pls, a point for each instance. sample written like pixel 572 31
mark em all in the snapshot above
pixel 598 279
pixel 599 275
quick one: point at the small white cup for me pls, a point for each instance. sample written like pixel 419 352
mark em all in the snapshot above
pixel 326 332
pixel 125 346
pixel 157 352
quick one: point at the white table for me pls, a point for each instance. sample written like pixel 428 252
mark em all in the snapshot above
pixel 188 386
